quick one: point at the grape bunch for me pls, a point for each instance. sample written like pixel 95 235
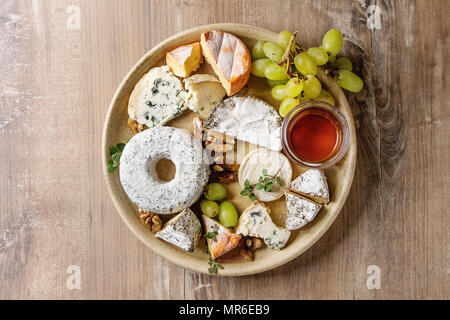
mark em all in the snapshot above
pixel 291 70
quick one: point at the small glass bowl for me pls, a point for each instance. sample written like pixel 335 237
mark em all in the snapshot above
pixel 344 137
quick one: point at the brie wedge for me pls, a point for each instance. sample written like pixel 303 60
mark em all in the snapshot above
pixel 255 221
pixel 247 119
pixel 299 210
pixel 312 184
pixel 184 230
pixel 204 93
pixel 157 98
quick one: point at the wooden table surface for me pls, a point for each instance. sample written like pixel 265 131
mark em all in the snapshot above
pixel 62 60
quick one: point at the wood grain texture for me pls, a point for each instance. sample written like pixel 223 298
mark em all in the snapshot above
pixel 57 81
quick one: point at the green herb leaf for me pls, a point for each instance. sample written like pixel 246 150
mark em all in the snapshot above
pixel 120 146
pixel 252 197
pixel 247 184
pixel 116 157
pixel 245 192
pixel 111 168
pixel 266 180
pixel 268 187
pixel 259 186
pixel 264 172
pixel 261 178
pixel 279 181
pixel 113 150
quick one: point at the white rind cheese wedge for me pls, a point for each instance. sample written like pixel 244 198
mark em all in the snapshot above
pixel 204 93
pixel 248 119
pixel 157 98
pixel 299 210
pixel 184 230
pixel 274 162
pixel 255 221
pixel 229 57
pixel 312 184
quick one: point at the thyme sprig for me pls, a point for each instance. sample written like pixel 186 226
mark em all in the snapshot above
pixel 115 152
pixel 265 182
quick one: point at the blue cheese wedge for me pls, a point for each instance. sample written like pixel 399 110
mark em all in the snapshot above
pixel 255 221
pixel 157 98
pixel 299 210
pixel 247 119
pixel 184 230
pixel 312 184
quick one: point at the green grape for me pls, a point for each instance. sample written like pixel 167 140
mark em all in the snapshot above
pixel 332 41
pixel 273 51
pixel 305 64
pixel 258 67
pixel 215 191
pixel 303 98
pixel 228 215
pixel 274 83
pixel 283 38
pixel 319 56
pixel 343 63
pixel 349 81
pixel 287 105
pixel 294 87
pixel 275 72
pixel 326 96
pixel 332 58
pixel 312 87
pixel 258 51
pixel 278 92
pixel 209 208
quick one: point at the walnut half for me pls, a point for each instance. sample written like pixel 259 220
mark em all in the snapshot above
pixel 136 127
pixel 249 245
pixel 151 220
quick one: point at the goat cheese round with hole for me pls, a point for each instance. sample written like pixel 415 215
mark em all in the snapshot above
pixel 139 177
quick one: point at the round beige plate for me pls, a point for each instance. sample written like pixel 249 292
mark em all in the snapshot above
pixel 116 130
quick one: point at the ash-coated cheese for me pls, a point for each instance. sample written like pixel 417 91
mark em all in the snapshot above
pixel 139 177
pixel 255 221
pixel 184 230
pixel 247 119
pixel 157 98
pixel 312 184
pixel 299 210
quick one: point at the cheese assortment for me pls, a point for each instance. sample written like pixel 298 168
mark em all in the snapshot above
pixel 264 175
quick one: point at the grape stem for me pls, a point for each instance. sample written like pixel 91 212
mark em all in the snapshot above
pixel 287 53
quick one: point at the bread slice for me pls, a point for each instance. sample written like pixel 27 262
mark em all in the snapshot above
pixel 182 61
pixel 312 184
pixel 299 210
pixel 229 57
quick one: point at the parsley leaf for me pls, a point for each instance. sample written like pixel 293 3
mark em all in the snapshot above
pixel 115 152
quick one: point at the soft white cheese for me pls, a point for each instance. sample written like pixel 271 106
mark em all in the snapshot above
pixel 313 184
pixel 299 211
pixel 248 119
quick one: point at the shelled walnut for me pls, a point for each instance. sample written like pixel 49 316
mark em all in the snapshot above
pixel 135 126
pixel 248 247
pixel 151 220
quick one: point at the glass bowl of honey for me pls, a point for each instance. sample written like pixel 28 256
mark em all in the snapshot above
pixel 315 134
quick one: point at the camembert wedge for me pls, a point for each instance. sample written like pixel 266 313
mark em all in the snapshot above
pixel 220 239
pixel 229 57
pixel 182 61
pixel 312 184
pixel 184 230
pixel 255 221
pixel 299 210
